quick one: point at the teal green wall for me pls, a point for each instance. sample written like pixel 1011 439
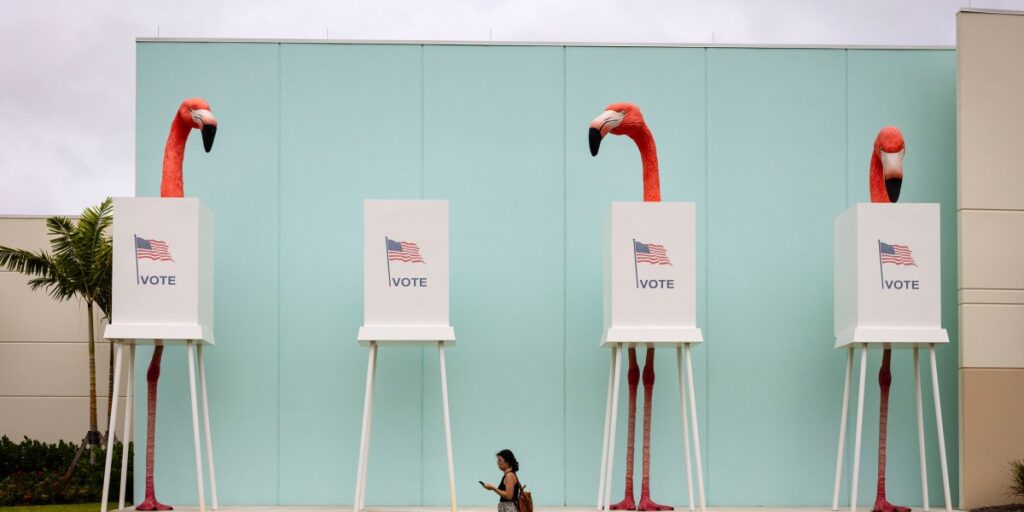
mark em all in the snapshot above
pixel 770 144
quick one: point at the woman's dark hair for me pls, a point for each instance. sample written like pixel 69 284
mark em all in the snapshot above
pixel 510 459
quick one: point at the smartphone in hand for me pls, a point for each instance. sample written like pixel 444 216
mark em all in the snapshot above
pixel 482 484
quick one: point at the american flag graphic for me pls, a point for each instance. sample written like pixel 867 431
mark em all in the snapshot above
pixel 403 251
pixel 895 253
pixel 650 253
pixel 147 249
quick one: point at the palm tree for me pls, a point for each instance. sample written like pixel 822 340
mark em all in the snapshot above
pixel 80 265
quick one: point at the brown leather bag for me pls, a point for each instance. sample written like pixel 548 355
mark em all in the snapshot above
pixel 525 500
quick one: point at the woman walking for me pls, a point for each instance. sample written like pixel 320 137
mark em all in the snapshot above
pixel 508 489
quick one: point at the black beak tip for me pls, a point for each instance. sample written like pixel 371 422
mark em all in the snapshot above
pixel 892 187
pixel 595 141
pixel 209 132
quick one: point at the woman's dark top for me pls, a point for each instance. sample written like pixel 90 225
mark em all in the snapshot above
pixel 515 492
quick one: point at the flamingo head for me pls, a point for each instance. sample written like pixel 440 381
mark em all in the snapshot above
pixel 618 119
pixel 888 160
pixel 195 112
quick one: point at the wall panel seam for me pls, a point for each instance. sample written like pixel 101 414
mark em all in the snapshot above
pixel 280 94
pixel 565 279
pixel 995 210
pixel 990 304
pixel 994 369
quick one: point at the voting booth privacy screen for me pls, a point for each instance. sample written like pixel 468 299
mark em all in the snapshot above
pixel 163 269
pixel 650 278
pixel 405 262
pixel 405 272
pixel 888 274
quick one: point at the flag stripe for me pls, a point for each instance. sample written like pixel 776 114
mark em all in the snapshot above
pixel 651 253
pixel 157 250
pixel 408 252
pixel 896 254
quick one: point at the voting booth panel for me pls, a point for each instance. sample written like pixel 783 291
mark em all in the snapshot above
pixel 650 284
pixel 163 270
pixel 405 271
pixel 888 274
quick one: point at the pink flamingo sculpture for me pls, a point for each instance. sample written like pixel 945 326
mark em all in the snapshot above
pixel 193 113
pixel 885 179
pixel 626 119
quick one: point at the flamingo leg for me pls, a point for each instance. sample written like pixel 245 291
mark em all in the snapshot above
pixel 633 378
pixel 645 487
pixel 152 376
pixel 884 382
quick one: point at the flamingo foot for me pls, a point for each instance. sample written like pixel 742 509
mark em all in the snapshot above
pixel 626 504
pixel 881 505
pixel 152 504
pixel 647 504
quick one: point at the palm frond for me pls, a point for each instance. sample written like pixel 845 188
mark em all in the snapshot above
pixel 81 261
pixel 25 262
pixel 89 238
pixel 62 234
pixel 103 276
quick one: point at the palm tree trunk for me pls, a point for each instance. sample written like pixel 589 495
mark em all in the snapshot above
pixel 110 388
pixel 93 428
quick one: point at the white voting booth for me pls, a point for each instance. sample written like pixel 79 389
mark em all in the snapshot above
pixel 405 280
pixel 162 294
pixel 888 295
pixel 650 299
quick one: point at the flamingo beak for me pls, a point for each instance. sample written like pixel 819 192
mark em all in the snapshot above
pixel 595 141
pixel 209 132
pixel 600 126
pixel 892 172
pixel 204 120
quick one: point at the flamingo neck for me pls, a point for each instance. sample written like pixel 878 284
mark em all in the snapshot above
pixel 649 156
pixel 876 181
pixel 172 184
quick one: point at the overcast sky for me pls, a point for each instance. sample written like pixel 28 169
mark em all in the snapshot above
pixel 67 68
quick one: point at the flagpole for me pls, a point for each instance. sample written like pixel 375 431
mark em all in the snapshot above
pixel 387 257
pixel 136 240
pixel 880 271
pixel 636 272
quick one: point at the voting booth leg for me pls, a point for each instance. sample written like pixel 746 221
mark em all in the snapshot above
pixel 111 430
pixel 369 435
pixel 364 440
pixel 206 426
pixel 686 427
pixel 447 425
pixel 920 428
pixel 195 425
pixel 603 480
pixel 693 425
pixel 858 431
pixel 617 363
pixel 938 424
pixel 126 437
pixel 842 427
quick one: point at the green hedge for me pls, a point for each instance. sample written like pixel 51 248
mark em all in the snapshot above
pixel 32 472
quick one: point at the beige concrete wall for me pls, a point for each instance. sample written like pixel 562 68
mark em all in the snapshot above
pixel 44 365
pixel 990 90
pixel 992 430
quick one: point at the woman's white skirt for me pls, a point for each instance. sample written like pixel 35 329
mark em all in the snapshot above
pixel 507 506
